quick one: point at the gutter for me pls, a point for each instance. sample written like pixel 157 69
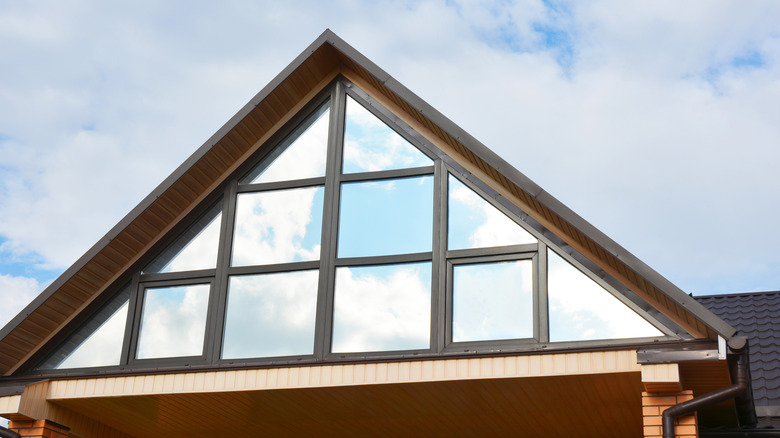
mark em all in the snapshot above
pixel 740 391
pixel 7 433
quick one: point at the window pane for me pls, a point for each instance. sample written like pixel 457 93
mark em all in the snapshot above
pixel 278 226
pixel 492 301
pixel 386 217
pixel 270 315
pixel 301 155
pixel 195 249
pixel 580 309
pixel 97 343
pixel 473 222
pixel 370 145
pixel 382 308
pixel 173 321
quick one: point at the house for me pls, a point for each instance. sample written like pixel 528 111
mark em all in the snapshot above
pixel 341 259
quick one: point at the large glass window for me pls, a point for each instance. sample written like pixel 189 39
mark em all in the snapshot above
pixel 173 321
pixel 370 145
pixel 492 301
pixel 195 249
pixel 270 315
pixel 382 308
pixel 363 241
pixel 278 226
pixel 580 309
pixel 97 343
pixel 301 155
pixel 384 217
pixel 475 223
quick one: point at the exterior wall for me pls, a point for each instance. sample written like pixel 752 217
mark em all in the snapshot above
pixel 39 429
pixel 653 406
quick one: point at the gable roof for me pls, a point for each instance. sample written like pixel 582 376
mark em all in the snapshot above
pixel 757 317
pixel 120 249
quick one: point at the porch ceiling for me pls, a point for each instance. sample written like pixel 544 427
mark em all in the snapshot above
pixel 584 405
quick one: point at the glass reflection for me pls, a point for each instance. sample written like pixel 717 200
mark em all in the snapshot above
pixel 492 301
pixel 386 217
pixel 278 226
pixel 473 222
pixel 301 155
pixel 382 308
pixel 97 343
pixel 370 145
pixel 195 249
pixel 580 309
pixel 173 321
pixel 270 315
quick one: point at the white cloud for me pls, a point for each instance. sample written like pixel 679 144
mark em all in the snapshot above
pixel 654 133
pixel 274 227
pixel 492 301
pixel 103 347
pixel 370 145
pixel 486 225
pixel 173 322
pixel 580 309
pixel 382 308
pixel 16 293
pixel 271 315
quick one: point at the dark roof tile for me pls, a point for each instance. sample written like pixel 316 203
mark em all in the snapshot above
pixel 756 316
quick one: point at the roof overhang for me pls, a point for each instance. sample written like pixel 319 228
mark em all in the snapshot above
pixel 534 395
pixel 327 58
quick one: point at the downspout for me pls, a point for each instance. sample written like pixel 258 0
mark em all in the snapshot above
pixel 741 388
pixel 6 433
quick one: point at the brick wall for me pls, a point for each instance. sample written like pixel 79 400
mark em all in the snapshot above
pixel 39 429
pixel 655 403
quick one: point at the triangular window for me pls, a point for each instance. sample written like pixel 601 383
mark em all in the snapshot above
pixel 302 154
pixel 195 249
pixel 580 309
pixel 97 343
pixel 370 145
pixel 352 236
pixel 473 222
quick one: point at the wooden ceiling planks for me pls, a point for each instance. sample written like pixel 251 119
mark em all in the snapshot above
pixel 544 406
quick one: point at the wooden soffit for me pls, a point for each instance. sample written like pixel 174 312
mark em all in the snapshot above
pixel 534 395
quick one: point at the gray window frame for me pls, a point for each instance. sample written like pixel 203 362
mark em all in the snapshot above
pixel 440 257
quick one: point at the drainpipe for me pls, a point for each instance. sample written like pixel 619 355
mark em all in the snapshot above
pixel 5 433
pixel 739 389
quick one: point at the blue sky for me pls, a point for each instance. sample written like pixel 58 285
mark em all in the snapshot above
pixel 656 122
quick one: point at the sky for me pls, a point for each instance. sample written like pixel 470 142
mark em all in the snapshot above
pixel 656 121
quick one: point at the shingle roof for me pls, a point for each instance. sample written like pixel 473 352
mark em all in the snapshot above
pixel 757 316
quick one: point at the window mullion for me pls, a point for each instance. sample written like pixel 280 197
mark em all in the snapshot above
pixel 541 326
pixel 219 298
pixel 439 267
pixel 322 337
